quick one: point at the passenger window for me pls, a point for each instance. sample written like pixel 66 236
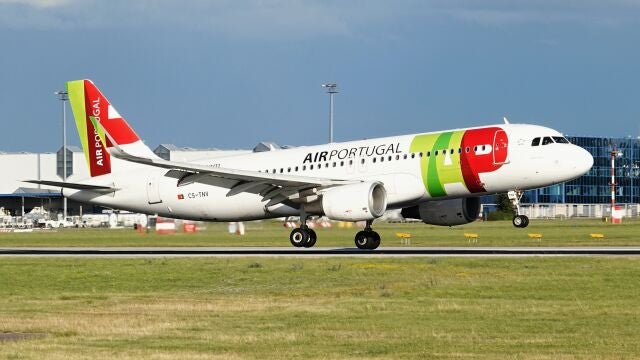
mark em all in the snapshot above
pixel 390 158
pixel 435 153
pixel 459 150
pixel 420 154
pixel 547 140
pixel 334 164
pixel 362 161
pixel 304 167
pixel 405 156
pixel 296 169
pixel 535 142
pixel 381 158
pixel 428 153
pixel 413 155
pixel 374 159
pixel 397 157
pixel 467 149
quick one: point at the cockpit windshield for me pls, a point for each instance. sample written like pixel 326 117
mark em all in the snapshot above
pixel 549 140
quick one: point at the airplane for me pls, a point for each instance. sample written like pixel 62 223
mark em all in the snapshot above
pixel 436 177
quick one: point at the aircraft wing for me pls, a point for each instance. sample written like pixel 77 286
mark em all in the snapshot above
pixel 274 187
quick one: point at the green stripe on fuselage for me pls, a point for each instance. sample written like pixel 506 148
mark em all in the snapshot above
pixel 441 169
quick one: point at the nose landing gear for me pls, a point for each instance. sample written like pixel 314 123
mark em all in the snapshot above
pixel 520 221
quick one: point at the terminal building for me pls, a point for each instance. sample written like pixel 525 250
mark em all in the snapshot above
pixel 593 188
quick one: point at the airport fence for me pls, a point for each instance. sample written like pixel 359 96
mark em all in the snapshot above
pixel 559 211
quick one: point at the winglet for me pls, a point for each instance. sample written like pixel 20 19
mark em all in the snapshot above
pixel 506 121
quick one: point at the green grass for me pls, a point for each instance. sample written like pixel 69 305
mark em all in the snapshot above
pixel 268 308
pixel 272 233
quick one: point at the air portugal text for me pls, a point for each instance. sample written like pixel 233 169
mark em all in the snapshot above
pixel 340 154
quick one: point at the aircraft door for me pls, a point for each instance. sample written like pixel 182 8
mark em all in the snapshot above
pixel 500 147
pixel 153 190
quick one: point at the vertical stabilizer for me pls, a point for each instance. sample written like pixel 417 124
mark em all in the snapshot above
pixel 90 106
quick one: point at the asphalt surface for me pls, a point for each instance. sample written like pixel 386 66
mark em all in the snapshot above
pixel 314 252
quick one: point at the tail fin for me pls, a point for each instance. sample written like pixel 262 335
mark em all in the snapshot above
pixel 89 106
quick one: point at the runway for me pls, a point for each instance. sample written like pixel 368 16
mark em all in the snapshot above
pixel 314 252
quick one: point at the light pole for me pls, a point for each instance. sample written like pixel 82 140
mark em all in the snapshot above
pixel 64 96
pixel 614 153
pixel 331 89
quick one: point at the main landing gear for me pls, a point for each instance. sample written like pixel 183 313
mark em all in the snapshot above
pixel 520 221
pixel 367 239
pixel 303 236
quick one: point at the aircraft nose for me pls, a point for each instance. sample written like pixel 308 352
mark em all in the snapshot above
pixel 581 161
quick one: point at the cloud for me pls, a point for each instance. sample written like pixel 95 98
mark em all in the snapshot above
pixel 38 4
pixel 502 12
pixel 305 18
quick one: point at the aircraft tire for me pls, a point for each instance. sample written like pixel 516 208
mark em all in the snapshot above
pixel 375 241
pixel 362 240
pixel 520 221
pixel 367 240
pixel 299 237
pixel 312 238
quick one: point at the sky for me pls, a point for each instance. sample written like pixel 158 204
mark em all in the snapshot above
pixel 231 73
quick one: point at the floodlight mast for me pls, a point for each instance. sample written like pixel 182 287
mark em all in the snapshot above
pixel 64 96
pixel 331 90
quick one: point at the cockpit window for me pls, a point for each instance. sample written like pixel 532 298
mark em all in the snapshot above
pixel 547 140
pixel 561 140
pixel 535 142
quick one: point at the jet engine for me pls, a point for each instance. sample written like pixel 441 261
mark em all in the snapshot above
pixel 445 212
pixel 355 202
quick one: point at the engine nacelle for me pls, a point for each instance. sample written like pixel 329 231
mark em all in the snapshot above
pixel 445 212
pixel 355 202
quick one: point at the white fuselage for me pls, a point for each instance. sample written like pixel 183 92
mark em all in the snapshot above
pixel 403 170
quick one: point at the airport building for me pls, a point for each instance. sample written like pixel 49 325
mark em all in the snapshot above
pixel 593 188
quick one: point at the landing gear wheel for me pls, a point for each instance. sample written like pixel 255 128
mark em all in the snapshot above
pixel 520 221
pixel 312 238
pixel 361 240
pixel 299 237
pixel 367 240
pixel 375 241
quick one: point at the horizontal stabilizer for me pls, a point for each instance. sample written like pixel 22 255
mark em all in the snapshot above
pixel 76 186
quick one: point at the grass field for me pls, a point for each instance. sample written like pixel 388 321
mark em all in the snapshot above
pixel 257 308
pixel 272 233
pixel 270 308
